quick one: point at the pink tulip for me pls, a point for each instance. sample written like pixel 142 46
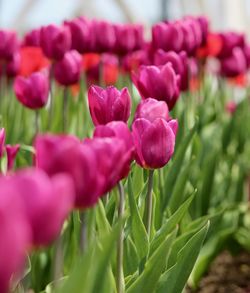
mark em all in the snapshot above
pixel 109 104
pixel 15 233
pixel 55 41
pixel 46 202
pixel 68 70
pixel 13 65
pixel 32 38
pixel 8 44
pixel 230 40
pixel 152 109
pixel 154 141
pixel 65 154
pixel 158 82
pixel 134 60
pixel 204 25
pixel 11 151
pixel 231 107
pixel 82 34
pixel 33 91
pixel 235 64
pixel 2 141
pixel 179 62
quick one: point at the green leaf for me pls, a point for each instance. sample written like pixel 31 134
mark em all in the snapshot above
pixel 174 171
pixel 170 225
pixel 101 219
pixel 147 281
pixel 138 181
pixel 138 230
pixel 130 259
pixel 174 280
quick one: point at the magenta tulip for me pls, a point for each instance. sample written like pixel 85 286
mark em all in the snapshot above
pixel 2 141
pixel 235 64
pixel 152 109
pixel 168 36
pixel 134 60
pixel 109 104
pixel 179 62
pixel 230 40
pixel 32 38
pixel 46 202
pixel 82 34
pixel 68 70
pixel 13 65
pixel 8 44
pixel 11 151
pixel 15 234
pixel 158 82
pixel 65 154
pixel 154 141
pixel 55 41
pixel 33 91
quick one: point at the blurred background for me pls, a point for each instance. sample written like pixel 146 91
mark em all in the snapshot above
pixel 25 14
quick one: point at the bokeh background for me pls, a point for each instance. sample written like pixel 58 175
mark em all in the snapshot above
pixel 24 14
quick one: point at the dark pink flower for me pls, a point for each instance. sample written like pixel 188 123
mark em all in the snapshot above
pixel 68 70
pixel 158 82
pixel 65 154
pixel 47 202
pixel 32 38
pixel 134 60
pixel 154 141
pixel 230 40
pixel 11 151
pixel 15 233
pixel 33 91
pixel 231 107
pixel 8 44
pixel 109 104
pixel 55 41
pixel 2 141
pixel 152 109
pixel 179 62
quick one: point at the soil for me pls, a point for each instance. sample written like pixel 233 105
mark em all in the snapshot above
pixel 227 274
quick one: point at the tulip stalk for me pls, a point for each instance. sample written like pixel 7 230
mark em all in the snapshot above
pixel 149 202
pixel 83 232
pixel 58 260
pixel 36 122
pixel 119 276
pixel 65 108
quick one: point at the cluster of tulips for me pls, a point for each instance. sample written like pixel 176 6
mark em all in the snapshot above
pixel 71 172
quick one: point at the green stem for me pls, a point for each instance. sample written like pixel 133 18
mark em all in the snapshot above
pixel 65 108
pixel 83 232
pixel 58 260
pixel 120 276
pixel 36 122
pixel 149 202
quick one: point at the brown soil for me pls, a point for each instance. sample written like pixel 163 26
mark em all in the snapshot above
pixel 227 274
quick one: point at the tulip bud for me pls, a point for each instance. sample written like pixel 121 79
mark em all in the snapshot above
pixel 154 141
pixel 158 82
pixel 11 151
pixel 32 38
pixel 235 64
pixel 109 104
pixel 65 154
pixel 55 41
pixel 15 233
pixel 46 201
pixel 179 63
pixel 8 44
pixel 152 109
pixel 2 141
pixel 33 91
pixel 68 70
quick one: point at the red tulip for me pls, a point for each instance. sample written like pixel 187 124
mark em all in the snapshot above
pixel 109 104
pixel 152 109
pixel 65 154
pixel 68 70
pixel 33 91
pixel 55 41
pixel 231 107
pixel 11 151
pixel 134 60
pixel 46 202
pixel 154 141
pixel 15 233
pixel 158 82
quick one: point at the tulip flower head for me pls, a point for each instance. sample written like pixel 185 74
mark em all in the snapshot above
pixel 154 141
pixel 109 104
pixel 11 151
pixel 158 82
pixel 33 91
